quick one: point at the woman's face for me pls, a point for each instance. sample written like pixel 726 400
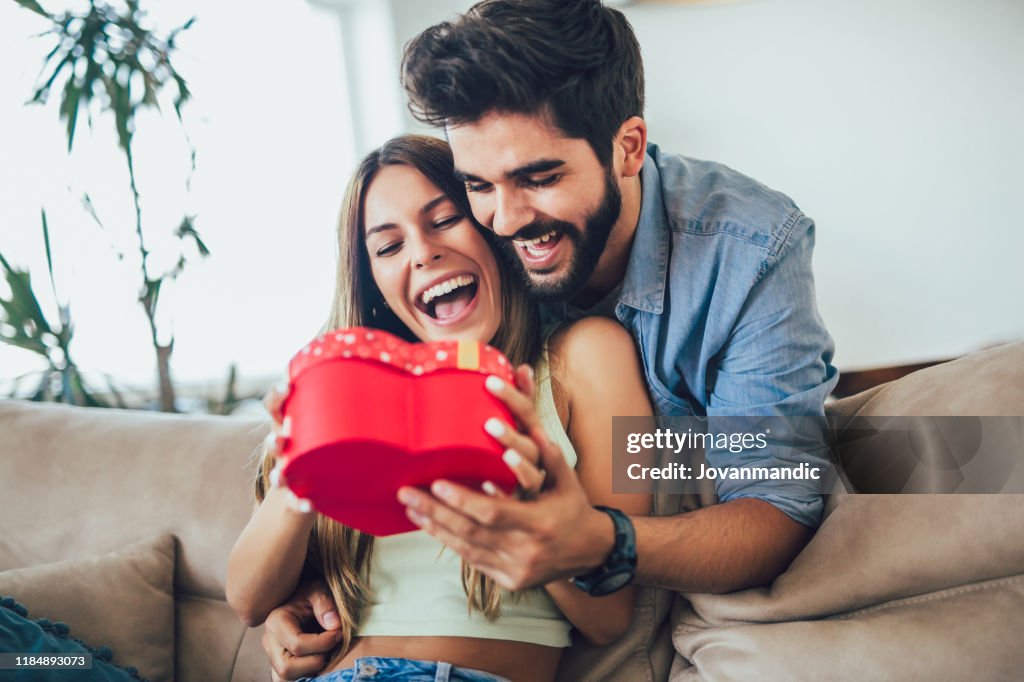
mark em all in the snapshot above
pixel 434 268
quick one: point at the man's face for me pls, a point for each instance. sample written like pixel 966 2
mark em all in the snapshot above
pixel 545 195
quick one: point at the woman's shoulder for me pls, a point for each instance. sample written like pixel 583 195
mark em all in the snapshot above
pixel 589 340
pixel 591 356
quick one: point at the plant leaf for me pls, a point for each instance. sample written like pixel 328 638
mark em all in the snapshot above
pixel 188 229
pixel 23 311
pixel 49 256
pixel 35 7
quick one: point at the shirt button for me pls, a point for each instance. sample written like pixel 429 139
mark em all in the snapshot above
pixel 367 670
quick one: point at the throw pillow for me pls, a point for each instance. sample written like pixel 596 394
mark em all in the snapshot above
pixel 123 600
pixel 44 638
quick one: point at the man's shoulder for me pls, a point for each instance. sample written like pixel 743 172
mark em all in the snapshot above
pixel 706 198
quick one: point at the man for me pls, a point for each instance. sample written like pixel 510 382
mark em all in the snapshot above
pixel 542 102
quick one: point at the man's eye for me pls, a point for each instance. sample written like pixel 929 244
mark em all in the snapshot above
pixel 447 222
pixel 543 181
pixel 477 186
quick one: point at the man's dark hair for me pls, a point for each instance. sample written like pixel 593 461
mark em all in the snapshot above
pixel 574 61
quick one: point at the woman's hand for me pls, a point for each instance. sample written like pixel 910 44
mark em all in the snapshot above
pixel 277 439
pixel 522 454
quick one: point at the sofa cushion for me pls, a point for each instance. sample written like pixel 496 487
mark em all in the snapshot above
pixel 122 475
pixel 46 639
pixel 123 600
pixel 989 383
pixel 964 633
pixel 891 586
pixel 878 548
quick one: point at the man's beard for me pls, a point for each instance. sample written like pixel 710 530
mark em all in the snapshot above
pixel 588 246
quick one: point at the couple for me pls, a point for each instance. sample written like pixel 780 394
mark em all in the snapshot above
pixel 706 277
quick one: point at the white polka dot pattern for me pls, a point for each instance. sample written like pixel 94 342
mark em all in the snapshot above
pixel 384 348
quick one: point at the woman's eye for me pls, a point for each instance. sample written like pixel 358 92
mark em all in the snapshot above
pixel 389 249
pixel 544 181
pixel 447 222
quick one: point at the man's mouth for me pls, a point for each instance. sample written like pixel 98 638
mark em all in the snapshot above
pixel 448 300
pixel 539 251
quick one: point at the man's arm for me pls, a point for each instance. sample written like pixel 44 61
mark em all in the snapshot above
pixel 727 547
pixel 723 548
pixel 522 544
pixel 777 363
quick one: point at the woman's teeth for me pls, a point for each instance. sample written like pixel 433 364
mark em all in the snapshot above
pixel 446 287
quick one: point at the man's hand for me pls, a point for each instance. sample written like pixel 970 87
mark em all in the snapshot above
pixel 292 652
pixel 518 543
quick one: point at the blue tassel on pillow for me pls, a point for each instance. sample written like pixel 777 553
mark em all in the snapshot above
pixel 102 655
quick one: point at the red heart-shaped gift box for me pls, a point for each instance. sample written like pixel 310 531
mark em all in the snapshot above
pixel 371 413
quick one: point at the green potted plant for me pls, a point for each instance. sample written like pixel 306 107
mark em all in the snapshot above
pixel 106 62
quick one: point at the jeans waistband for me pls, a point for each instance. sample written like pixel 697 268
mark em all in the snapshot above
pixel 386 669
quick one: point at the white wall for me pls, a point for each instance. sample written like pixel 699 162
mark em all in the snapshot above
pixel 896 126
pixel 269 121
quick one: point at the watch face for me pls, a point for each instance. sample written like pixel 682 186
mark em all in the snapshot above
pixel 615 580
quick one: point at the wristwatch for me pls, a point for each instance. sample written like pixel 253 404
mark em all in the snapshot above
pixel 620 567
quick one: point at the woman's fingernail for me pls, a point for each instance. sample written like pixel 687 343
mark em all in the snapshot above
pixel 494 384
pixel 286 428
pixel 489 488
pixel 331 620
pixel 512 458
pixel 442 490
pixel 494 427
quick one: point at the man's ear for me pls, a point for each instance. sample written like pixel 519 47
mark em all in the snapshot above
pixel 631 146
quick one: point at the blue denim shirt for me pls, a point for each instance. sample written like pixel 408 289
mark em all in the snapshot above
pixel 719 297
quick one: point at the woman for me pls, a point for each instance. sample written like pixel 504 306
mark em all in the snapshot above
pixel 413 262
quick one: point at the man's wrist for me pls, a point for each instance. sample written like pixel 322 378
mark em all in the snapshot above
pixel 599 538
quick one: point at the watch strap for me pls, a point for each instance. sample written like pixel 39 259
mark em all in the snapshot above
pixel 619 568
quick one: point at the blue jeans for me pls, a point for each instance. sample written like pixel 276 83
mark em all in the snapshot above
pixel 379 669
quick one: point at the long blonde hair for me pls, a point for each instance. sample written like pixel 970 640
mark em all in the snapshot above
pixel 343 555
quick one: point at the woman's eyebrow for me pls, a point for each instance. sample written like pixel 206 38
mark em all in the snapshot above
pixel 380 228
pixel 391 226
pixel 433 202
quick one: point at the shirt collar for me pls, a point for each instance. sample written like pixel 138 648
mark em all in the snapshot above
pixel 643 287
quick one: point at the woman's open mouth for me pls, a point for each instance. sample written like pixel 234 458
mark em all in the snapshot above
pixel 449 300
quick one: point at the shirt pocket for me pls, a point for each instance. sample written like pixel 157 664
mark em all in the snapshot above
pixel 665 402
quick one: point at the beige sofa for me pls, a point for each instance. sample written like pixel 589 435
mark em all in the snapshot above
pixel 120 523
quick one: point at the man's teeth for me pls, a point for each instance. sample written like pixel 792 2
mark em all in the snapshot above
pixel 539 240
pixel 446 287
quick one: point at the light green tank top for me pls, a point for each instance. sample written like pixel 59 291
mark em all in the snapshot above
pixel 417 582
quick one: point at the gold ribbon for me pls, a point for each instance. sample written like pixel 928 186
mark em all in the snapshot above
pixel 467 355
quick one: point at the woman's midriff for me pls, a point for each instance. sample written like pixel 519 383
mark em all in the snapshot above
pixel 515 660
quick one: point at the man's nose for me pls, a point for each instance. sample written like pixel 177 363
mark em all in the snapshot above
pixel 511 213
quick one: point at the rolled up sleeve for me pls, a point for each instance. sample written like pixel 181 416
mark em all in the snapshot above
pixel 777 363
